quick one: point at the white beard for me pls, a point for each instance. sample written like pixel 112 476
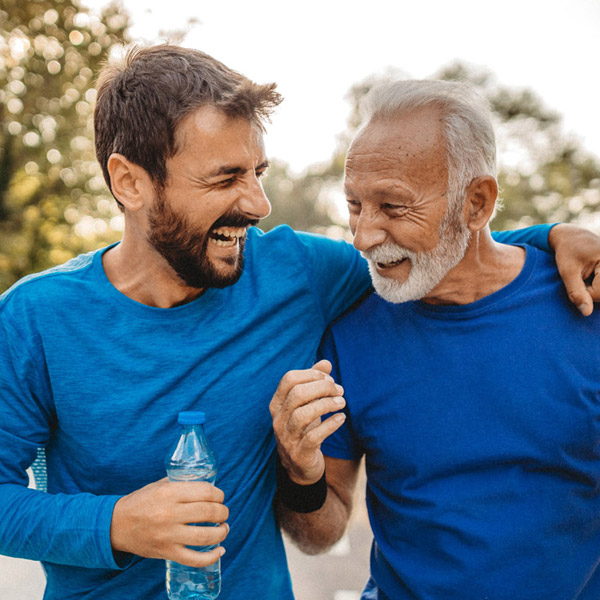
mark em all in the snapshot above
pixel 427 268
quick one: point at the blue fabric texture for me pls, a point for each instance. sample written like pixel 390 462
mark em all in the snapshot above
pixel 480 428
pixel 98 380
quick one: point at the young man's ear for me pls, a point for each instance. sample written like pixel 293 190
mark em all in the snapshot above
pixel 480 202
pixel 130 183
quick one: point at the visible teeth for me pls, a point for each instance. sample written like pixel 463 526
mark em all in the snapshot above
pixel 392 263
pixel 231 242
pixel 225 236
pixel 227 232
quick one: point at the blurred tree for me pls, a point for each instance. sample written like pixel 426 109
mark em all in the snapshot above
pixel 304 202
pixel 545 175
pixel 53 201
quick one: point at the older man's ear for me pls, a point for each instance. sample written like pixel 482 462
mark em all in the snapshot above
pixel 480 202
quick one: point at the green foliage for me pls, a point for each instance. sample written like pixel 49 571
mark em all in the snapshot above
pixel 53 201
pixel 544 174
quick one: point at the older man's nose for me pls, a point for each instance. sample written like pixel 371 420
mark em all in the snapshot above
pixel 367 233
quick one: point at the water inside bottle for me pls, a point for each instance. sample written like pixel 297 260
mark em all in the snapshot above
pixel 193 584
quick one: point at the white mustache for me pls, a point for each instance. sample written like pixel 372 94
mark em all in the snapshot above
pixel 387 252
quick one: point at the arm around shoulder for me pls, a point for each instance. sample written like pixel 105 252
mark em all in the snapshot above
pixel 577 253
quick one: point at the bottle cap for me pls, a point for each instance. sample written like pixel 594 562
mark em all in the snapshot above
pixel 191 418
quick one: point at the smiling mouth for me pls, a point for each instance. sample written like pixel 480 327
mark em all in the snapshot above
pixel 393 263
pixel 227 236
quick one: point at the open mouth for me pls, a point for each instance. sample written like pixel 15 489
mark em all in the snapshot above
pixel 393 263
pixel 227 236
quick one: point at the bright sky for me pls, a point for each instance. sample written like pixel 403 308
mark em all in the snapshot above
pixel 316 49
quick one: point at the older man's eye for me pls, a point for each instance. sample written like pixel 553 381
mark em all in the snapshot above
pixel 394 208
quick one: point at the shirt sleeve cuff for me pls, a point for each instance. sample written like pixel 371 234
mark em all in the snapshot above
pixel 113 559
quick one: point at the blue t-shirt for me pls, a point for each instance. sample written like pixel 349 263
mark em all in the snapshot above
pixel 480 427
pixel 98 379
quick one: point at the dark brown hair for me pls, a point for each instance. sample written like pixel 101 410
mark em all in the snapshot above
pixel 141 102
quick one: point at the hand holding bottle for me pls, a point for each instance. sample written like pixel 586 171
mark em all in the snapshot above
pixel 156 522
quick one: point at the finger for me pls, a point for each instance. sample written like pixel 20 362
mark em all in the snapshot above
pixel 193 558
pixel 306 393
pixel 317 435
pixel 306 416
pixel 195 491
pixel 201 512
pixel 324 366
pixel 594 288
pixel 197 535
pixel 292 379
pixel 577 291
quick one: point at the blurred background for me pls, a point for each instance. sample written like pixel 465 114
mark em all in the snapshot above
pixel 536 61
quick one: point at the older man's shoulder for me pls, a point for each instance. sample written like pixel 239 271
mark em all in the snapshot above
pixel 366 307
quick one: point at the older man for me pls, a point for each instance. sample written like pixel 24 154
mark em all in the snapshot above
pixel 472 385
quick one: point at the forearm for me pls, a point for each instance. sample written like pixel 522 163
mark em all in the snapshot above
pixel 536 235
pixel 317 531
pixel 64 529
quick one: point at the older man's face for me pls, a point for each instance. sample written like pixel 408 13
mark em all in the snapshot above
pixel 396 182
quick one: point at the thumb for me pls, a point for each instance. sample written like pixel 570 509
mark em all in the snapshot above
pixel 578 293
pixel 594 287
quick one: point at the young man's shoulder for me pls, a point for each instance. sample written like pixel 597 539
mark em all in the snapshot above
pixel 49 282
pixel 289 238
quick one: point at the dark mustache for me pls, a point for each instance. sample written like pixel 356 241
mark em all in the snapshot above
pixel 236 219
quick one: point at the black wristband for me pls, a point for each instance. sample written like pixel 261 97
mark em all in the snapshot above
pixel 300 498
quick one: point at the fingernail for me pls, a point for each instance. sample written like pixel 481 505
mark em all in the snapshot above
pixel 339 417
pixel 339 388
pixel 339 401
pixel 222 550
pixel 582 308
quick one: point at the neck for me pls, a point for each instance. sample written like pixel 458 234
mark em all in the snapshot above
pixel 485 268
pixel 135 269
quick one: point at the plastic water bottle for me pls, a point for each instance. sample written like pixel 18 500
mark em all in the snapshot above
pixel 192 460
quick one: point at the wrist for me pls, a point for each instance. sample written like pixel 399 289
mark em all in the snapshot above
pixel 298 497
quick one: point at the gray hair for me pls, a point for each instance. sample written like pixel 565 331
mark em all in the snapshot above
pixel 466 117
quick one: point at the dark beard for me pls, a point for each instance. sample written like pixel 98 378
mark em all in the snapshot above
pixel 185 250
